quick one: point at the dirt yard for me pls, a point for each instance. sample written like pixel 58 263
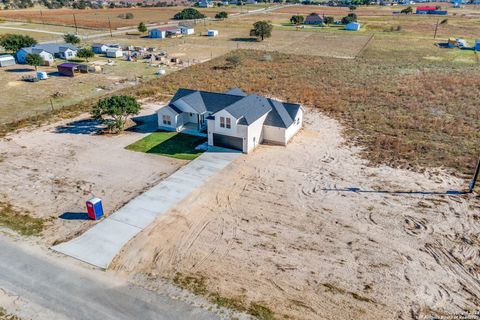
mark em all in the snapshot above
pixel 51 171
pixel 312 232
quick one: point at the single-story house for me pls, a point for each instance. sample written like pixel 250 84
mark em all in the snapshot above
pixel 187 30
pixel 212 33
pixel 7 60
pixel 63 51
pixel 68 69
pixel 205 4
pixel 353 26
pixel 163 32
pixel 314 18
pixel 114 53
pixel 100 48
pixel 24 52
pixel 232 119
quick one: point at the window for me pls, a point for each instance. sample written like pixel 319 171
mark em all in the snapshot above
pixel 222 122
pixel 229 123
pixel 167 120
pixel 298 121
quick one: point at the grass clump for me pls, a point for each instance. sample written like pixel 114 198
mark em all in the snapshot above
pixel 6 316
pixel 21 223
pixel 197 285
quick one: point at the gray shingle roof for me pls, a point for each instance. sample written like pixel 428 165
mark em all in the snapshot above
pixel 250 108
pixel 52 48
pixel 247 109
pixel 236 92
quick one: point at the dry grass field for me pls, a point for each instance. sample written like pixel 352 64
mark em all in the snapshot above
pixel 100 18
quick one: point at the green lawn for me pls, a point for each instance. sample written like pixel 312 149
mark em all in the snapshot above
pixel 170 144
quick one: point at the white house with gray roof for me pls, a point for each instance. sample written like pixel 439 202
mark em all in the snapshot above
pixel 232 119
pixel 48 52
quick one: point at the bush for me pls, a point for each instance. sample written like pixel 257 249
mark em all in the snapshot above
pixel 71 38
pixel 329 20
pixel 351 17
pixel 188 13
pixel 127 16
pixel 297 19
pixel 221 15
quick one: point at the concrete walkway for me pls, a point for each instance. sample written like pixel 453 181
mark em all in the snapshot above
pixel 101 243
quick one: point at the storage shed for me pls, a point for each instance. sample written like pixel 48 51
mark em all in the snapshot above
pixel 7 60
pixel 114 53
pixel 477 45
pixel 353 26
pixel 212 33
pixel 187 30
pixel 68 69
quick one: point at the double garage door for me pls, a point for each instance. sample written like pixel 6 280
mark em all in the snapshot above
pixel 228 142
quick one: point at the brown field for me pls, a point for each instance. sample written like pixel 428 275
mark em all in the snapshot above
pixel 100 18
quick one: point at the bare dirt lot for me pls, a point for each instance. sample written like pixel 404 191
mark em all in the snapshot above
pixel 312 232
pixel 51 171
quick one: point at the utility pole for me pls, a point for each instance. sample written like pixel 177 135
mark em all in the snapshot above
pixel 475 177
pixel 436 28
pixel 41 17
pixel 75 21
pixel 110 27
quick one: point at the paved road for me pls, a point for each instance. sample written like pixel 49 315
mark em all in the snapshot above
pixel 73 292
pixel 101 243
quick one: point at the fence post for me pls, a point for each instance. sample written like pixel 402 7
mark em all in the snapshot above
pixel 475 177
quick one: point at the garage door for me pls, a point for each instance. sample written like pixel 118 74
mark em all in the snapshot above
pixel 224 141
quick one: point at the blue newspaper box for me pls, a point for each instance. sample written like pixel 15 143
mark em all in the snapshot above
pixel 94 208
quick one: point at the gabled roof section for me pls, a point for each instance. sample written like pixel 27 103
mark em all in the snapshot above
pixel 282 114
pixel 250 108
pixel 202 101
pixel 236 92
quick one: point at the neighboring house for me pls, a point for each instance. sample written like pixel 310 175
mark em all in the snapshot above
pixel 114 53
pixel 187 30
pixel 100 48
pixel 353 26
pixel 314 18
pixel 7 60
pixel 63 51
pixel 430 10
pixel 232 119
pixel 212 33
pixel 164 32
pixel 205 4
pixel 24 52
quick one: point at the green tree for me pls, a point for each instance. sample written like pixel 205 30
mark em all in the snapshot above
pixel 221 15
pixel 297 19
pixel 34 59
pixel 407 10
pixel 189 14
pixel 351 17
pixel 114 111
pixel 261 30
pixel 329 20
pixel 142 27
pixel 85 53
pixel 15 42
pixel 71 38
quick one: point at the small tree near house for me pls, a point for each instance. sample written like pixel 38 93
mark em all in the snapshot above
pixel 15 42
pixel 114 111
pixel 85 53
pixel 328 20
pixel 351 17
pixel 261 30
pixel 142 27
pixel 35 60
pixel 297 19
pixel 71 38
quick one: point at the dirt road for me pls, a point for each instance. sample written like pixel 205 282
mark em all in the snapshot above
pixel 313 232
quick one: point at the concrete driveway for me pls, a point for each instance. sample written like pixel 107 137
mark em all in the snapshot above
pixel 101 243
